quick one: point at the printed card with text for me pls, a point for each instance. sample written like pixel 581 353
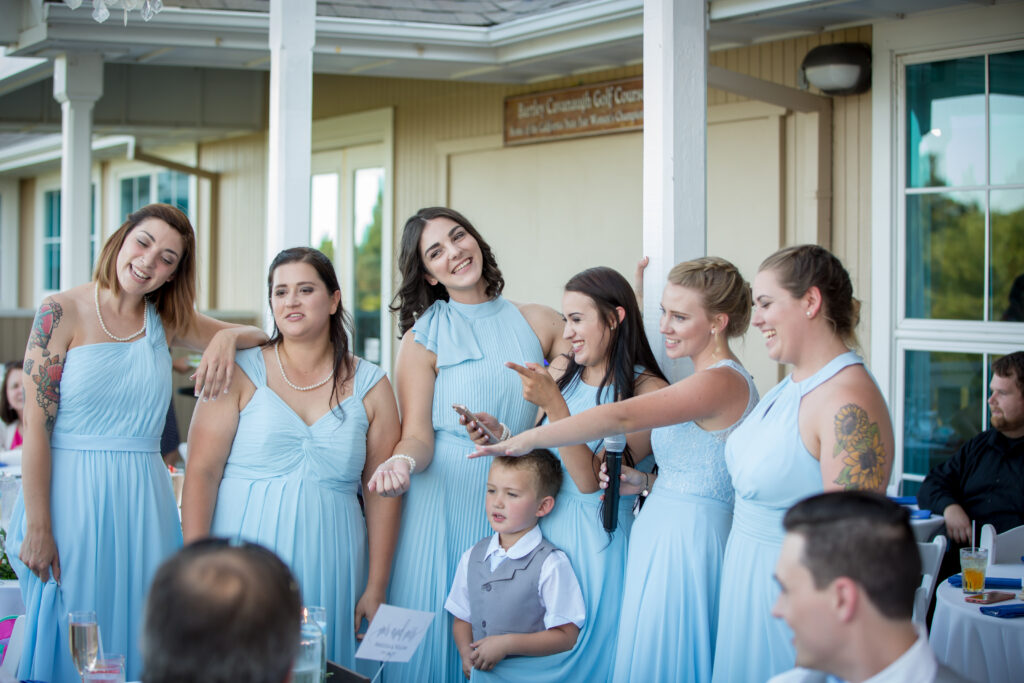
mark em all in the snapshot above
pixel 394 634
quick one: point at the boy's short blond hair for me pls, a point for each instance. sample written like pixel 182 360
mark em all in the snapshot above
pixel 545 467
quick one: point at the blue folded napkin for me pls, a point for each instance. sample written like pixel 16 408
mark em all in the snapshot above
pixel 904 500
pixel 957 580
pixel 1004 611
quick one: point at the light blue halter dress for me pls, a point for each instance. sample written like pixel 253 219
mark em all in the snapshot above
pixel 599 560
pixel 670 605
pixel 292 487
pixel 443 513
pixel 112 508
pixel 771 471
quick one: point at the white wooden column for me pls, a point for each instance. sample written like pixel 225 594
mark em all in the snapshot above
pixel 77 84
pixel 292 35
pixel 675 150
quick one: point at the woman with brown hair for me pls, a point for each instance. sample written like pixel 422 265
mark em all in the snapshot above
pixel 824 427
pixel 97 514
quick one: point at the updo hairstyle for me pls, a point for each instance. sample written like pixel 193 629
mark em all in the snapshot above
pixel 721 287
pixel 801 267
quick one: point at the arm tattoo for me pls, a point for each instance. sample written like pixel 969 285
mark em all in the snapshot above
pixel 47 319
pixel 27 368
pixel 859 443
pixel 47 382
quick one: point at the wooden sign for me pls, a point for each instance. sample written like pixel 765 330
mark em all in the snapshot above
pixel 595 109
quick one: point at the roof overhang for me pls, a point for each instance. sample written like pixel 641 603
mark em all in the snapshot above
pixel 567 41
pixel 43 155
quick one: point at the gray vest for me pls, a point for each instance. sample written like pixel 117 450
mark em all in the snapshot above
pixel 506 600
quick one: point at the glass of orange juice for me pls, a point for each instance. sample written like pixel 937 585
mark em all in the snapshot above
pixel 973 562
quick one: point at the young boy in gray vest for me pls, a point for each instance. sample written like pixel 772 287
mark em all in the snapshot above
pixel 514 593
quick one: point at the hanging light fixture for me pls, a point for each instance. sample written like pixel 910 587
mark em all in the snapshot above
pixel 101 8
pixel 838 69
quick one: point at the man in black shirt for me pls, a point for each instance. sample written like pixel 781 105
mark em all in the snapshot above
pixel 984 481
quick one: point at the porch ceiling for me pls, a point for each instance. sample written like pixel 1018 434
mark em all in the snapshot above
pixel 470 40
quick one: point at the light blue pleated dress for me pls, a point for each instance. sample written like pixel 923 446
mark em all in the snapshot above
pixel 771 471
pixel 112 508
pixel 443 513
pixel 599 560
pixel 672 586
pixel 292 487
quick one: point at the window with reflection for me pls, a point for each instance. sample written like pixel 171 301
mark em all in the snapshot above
pixel 964 188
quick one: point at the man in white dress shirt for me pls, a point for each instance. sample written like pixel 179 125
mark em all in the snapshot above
pixel 848 571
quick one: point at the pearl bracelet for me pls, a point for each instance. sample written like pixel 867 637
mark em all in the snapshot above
pixel 506 433
pixel 401 456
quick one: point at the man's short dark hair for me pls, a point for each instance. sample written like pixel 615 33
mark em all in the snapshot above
pixel 863 536
pixel 220 612
pixel 1011 365
pixel 542 463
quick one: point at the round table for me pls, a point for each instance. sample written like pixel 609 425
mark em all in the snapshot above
pixel 980 647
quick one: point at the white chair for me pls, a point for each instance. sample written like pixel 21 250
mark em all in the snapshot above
pixel 931 560
pixel 1004 548
pixel 9 668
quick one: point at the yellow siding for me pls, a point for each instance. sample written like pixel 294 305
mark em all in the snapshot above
pixel 236 254
pixel 851 146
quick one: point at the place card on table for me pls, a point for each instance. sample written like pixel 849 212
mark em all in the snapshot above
pixel 394 634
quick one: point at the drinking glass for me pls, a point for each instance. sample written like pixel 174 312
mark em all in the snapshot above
pixel 311 653
pixel 107 669
pixel 318 615
pixel 84 640
pixel 972 563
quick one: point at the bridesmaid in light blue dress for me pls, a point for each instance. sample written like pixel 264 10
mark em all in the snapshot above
pixel 667 623
pixel 457 333
pixel 825 426
pixel 280 459
pixel 609 350
pixel 98 514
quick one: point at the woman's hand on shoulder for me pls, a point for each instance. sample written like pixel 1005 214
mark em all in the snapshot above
pixel 548 325
pixel 218 341
pixel 854 433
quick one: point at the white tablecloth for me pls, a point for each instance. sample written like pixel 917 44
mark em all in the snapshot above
pixel 10 599
pixel 980 647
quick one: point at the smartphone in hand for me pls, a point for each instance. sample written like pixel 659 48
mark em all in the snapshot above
pixel 470 417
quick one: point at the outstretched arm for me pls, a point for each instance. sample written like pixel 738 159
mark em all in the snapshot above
pixel 701 395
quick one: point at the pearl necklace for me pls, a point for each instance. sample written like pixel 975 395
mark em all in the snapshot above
pixel 280 366
pixel 96 298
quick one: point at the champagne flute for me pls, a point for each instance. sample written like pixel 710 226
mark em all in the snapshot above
pixel 84 640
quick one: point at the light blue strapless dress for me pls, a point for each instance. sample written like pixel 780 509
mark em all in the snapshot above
pixel 599 560
pixel 292 487
pixel 771 471
pixel 443 512
pixel 112 508
pixel 670 605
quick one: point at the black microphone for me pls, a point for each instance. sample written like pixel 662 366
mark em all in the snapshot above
pixel 613 447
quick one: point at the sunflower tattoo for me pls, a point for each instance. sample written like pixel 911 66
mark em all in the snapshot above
pixel 859 443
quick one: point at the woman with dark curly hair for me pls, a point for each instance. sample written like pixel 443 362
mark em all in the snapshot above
pixel 457 334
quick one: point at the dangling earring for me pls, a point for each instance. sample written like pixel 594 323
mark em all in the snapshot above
pixel 714 351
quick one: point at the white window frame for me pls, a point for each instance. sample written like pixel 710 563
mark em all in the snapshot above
pixel 931 37
pixel 49 183
pixel 365 128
